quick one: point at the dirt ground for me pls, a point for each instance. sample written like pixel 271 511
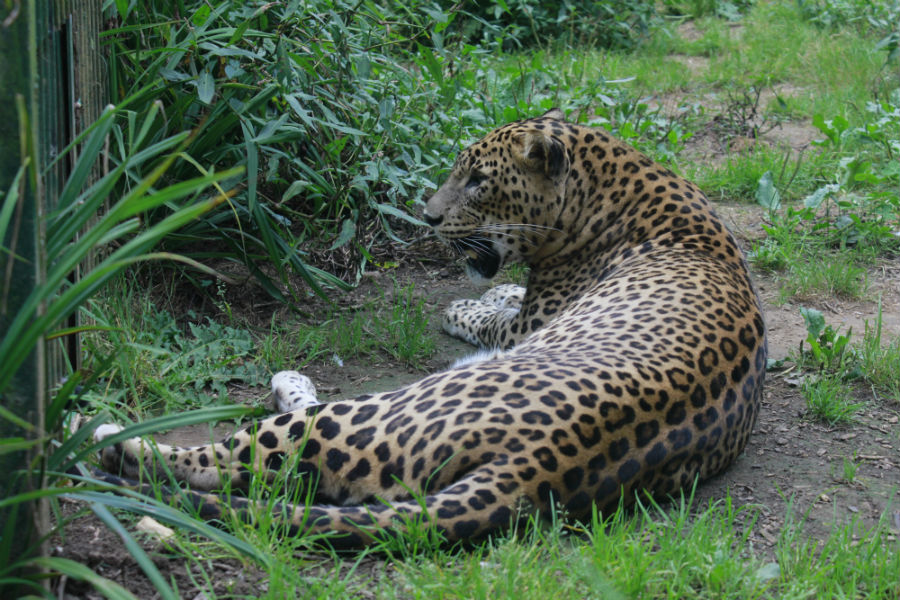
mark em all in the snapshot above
pixel 793 464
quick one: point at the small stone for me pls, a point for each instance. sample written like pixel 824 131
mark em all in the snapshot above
pixel 155 529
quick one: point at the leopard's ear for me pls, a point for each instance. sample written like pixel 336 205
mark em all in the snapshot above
pixel 554 113
pixel 537 151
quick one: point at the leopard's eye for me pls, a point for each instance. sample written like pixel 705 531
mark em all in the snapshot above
pixel 475 179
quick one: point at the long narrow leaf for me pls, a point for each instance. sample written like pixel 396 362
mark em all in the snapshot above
pixel 74 570
pixel 11 200
pixel 63 225
pixel 144 505
pixel 70 451
pixel 91 149
pixel 136 552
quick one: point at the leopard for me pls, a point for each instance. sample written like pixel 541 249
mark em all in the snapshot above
pixel 632 361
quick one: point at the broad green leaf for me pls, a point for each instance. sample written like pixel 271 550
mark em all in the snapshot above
pixel 815 199
pixel 431 63
pixel 396 212
pixel 122 9
pixel 206 87
pixel 201 15
pixel 348 232
pixel 766 194
pixel 296 188
pixel 815 321
pixel 239 32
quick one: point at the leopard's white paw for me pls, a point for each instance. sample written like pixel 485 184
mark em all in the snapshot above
pixel 507 295
pixel 293 391
pixel 463 317
pixel 104 431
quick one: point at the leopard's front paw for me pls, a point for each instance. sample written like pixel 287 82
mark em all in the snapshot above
pixel 507 295
pixel 293 391
pixel 104 431
pixel 114 457
pixel 463 318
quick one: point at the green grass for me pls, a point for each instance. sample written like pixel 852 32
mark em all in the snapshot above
pixel 679 550
pixel 673 552
pixel 737 177
pixel 773 43
pixel 829 399
pixel 849 467
pixel 851 562
pixel 776 44
pixel 161 363
pixel 397 327
pixel 817 275
pixel 879 360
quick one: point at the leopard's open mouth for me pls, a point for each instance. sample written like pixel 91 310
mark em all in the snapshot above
pixel 482 259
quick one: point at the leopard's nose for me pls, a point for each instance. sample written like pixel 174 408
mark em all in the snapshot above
pixel 433 221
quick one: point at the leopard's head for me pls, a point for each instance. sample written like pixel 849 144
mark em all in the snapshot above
pixel 504 195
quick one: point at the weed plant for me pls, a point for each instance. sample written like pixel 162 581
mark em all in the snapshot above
pixel 828 399
pixel 164 367
pixel 879 359
pixel 836 363
pixel 845 223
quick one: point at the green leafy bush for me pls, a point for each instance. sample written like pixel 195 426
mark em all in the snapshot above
pixel 343 113
pixel 321 103
pixel 873 16
pixel 522 23
pixel 695 9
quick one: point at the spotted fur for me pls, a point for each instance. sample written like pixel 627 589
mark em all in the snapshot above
pixel 634 359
